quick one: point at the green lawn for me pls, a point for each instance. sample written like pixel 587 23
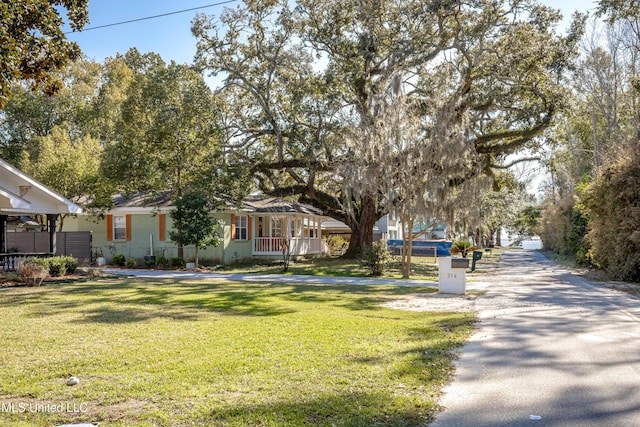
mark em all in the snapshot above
pixel 422 267
pixel 161 353
pixel 425 268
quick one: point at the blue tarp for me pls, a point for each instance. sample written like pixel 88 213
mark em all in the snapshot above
pixel 422 247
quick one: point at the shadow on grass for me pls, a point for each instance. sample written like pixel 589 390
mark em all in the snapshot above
pixel 349 409
pixel 134 300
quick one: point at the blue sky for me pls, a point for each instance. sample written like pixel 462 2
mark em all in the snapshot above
pixel 170 36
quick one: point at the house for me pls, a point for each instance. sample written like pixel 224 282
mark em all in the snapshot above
pixel 429 240
pixel 21 196
pixel 387 227
pixel 139 226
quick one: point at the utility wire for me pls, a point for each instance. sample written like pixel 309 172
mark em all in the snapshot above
pixel 153 17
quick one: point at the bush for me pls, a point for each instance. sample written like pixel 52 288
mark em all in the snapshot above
pixel 162 262
pixel 131 263
pixel 462 247
pixel 614 218
pixel 375 258
pixel 42 262
pixel 119 259
pixel 71 264
pixel 32 273
pixel 177 263
pixel 57 266
pixel 337 243
pixel 564 224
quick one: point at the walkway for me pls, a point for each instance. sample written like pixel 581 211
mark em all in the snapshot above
pixel 551 345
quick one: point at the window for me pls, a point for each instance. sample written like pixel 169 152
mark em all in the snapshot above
pixel 296 228
pixel 311 228
pixel 242 229
pixel 276 227
pixel 119 227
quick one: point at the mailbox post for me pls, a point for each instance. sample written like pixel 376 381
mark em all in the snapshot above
pixel 477 256
pixel 452 275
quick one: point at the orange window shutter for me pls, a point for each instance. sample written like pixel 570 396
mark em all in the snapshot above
pixel 128 231
pixel 248 228
pixel 233 227
pixel 109 228
pixel 161 226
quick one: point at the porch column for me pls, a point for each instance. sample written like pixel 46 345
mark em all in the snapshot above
pixel 3 233
pixel 51 223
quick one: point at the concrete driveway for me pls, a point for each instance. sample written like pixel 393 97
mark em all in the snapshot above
pixel 551 345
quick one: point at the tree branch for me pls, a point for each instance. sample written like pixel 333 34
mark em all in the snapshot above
pixel 515 162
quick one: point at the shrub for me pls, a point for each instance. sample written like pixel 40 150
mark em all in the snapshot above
pixel 42 262
pixel 71 264
pixel 119 259
pixel 149 263
pixel 614 218
pixel 162 262
pixel 337 243
pixel 32 273
pixel 462 247
pixel 131 263
pixel 57 266
pixel 177 263
pixel 375 258
pixel 564 224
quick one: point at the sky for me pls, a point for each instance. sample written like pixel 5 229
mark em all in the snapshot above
pixel 170 36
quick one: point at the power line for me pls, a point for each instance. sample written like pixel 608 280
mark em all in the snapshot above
pixel 153 17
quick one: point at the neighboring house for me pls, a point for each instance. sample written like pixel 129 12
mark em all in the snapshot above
pixel 139 227
pixel 21 196
pixel 387 227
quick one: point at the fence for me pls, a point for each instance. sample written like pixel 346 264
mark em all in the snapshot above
pixel 73 243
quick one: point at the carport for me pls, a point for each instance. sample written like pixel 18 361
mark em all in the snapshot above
pixel 21 195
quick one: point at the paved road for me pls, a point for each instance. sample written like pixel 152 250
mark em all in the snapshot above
pixel 548 344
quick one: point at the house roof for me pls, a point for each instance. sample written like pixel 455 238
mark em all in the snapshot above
pixel 22 194
pixel 261 204
pixel 251 204
pixel 143 200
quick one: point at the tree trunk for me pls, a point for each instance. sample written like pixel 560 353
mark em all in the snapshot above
pixel 196 257
pixel 362 229
pixel 408 242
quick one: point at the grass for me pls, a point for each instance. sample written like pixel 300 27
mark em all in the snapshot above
pixel 166 353
pixel 422 267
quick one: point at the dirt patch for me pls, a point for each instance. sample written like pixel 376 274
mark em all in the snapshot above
pixel 433 302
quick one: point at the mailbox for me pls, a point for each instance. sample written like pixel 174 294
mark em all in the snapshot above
pixel 452 275
pixel 477 256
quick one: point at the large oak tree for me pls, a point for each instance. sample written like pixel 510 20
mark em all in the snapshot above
pixel 300 80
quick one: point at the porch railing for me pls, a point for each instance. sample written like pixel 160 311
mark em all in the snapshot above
pixel 10 262
pixel 299 246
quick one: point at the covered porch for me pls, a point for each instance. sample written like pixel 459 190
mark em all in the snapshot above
pixel 274 232
pixel 21 195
